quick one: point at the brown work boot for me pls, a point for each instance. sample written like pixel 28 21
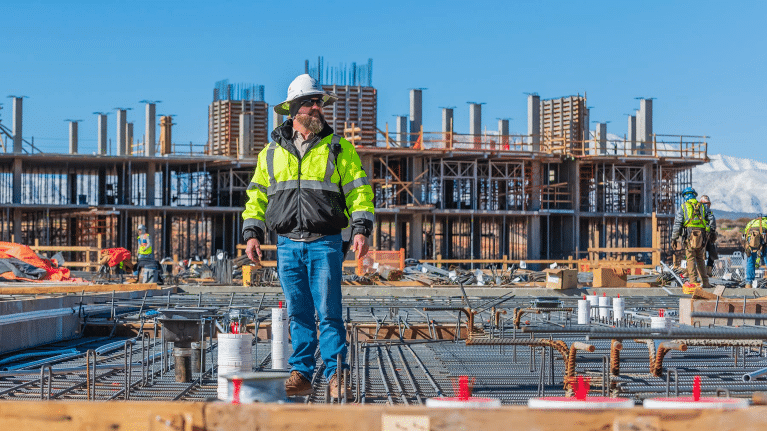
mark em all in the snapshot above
pixel 748 286
pixel 297 385
pixel 333 384
pixel 710 271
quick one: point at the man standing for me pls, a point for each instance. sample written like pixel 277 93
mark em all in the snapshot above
pixel 146 260
pixel 754 244
pixel 711 242
pixel 144 244
pixel 692 216
pixel 309 183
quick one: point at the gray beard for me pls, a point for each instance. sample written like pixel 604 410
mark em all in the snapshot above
pixel 312 123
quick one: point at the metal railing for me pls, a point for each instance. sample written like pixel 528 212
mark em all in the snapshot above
pixel 660 146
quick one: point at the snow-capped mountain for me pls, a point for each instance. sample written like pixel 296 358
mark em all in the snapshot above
pixel 734 185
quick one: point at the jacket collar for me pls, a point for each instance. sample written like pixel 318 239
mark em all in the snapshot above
pixel 283 135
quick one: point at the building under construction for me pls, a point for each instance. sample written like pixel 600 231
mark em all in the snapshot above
pixel 552 193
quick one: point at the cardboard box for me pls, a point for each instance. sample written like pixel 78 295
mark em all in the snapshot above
pixel 609 277
pixel 561 278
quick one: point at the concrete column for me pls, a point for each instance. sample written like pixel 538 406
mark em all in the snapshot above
pixel 503 134
pixel 447 126
pixel 102 134
pixel 416 109
pixel 416 237
pixel 245 141
pixel 647 233
pixel 575 171
pixel 475 119
pixel 151 128
pixel 476 238
pixel 536 177
pixel 534 227
pixel 631 136
pixel 151 170
pixel 72 192
pixel 534 238
pixel 587 132
pixel 73 137
pixel 601 138
pixel 128 139
pixel 534 121
pixel 447 119
pixel 120 141
pixel 277 119
pixel 401 127
pixel 503 127
pixel 166 142
pixel 17 170
pixel 17 125
pixel 644 124
pixel 647 192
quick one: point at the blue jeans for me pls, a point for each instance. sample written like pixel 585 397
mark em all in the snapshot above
pixel 310 275
pixel 751 265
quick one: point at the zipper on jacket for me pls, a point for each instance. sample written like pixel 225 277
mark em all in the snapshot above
pixel 300 212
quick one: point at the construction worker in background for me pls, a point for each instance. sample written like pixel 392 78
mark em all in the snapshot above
pixel 147 269
pixel 692 223
pixel 308 185
pixel 711 242
pixel 144 244
pixel 754 242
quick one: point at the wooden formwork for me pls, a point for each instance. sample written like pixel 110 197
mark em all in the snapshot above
pixel 197 416
pixel 563 122
pixel 224 126
pixel 357 105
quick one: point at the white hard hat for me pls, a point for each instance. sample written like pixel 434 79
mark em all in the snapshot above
pixel 142 227
pixel 301 87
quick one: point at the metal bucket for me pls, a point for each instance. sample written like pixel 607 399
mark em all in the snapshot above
pixel 261 387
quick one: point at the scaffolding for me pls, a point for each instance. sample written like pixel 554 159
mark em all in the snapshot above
pixel 551 194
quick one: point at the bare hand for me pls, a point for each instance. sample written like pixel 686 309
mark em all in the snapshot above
pixel 253 246
pixel 359 246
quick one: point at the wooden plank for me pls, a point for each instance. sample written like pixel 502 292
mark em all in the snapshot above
pixel 110 415
pixel 287 417
pixel 722 305
pixel 197 416
pixel 622 249
pixel 64 248
pixel 76 288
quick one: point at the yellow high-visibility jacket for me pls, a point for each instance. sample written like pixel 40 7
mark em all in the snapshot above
pixel 316 195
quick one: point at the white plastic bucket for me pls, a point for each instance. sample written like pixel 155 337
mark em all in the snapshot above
pixel 604 307
pixel 584 311
pixel 235 355
pixel 657 322
pixel 618 308
pixel 280 340
pixel 594 302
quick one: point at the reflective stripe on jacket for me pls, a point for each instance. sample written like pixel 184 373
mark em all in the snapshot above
pixel 298 197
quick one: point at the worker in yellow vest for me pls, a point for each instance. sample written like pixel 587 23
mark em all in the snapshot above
pixel 754 240
pixel 692 222
pixel 144 244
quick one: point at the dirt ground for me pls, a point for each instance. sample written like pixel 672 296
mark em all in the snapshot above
pixel 729 235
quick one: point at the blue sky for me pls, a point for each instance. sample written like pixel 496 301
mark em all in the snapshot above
pixel 703 61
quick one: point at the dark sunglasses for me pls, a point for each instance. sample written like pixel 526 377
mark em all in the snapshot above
pixel 309 102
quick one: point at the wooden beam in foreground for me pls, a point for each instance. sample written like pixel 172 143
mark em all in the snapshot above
pixel 196 416
pixel 11 289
